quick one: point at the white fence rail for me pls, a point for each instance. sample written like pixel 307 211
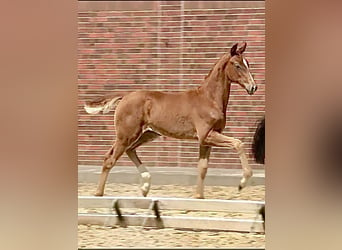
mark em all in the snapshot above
pixel 156 206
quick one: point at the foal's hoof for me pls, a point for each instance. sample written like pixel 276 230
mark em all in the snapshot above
pixel 144 193
pixel 145 188
pixel 197 196
pixel 240 188
pixel 98 194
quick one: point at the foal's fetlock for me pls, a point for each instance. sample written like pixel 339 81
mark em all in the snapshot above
pixel 98 194
pixel 245 179
pixel 198 196
pixel 145 183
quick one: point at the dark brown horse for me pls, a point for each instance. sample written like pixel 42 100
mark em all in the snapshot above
pixel 198 114
pixel 258 149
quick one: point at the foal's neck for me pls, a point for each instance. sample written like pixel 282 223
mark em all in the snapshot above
pixel 217 88
pixel 216 85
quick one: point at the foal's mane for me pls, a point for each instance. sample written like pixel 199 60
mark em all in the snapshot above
pixel 218 67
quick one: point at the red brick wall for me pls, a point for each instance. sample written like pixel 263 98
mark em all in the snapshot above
pixel 166 45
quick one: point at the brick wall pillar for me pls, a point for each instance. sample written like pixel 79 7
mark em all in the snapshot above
pixel 170 37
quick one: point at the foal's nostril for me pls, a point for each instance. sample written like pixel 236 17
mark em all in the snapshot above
pixel 252 89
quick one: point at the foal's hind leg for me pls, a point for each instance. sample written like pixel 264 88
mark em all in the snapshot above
pixel 145 175
pixel 111 158
pixel 202 170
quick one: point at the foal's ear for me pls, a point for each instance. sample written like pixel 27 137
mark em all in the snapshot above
pixel 233 51
pixel 242 48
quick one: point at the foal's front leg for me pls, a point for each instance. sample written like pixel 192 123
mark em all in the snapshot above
pixel 216 139
pixel 204 153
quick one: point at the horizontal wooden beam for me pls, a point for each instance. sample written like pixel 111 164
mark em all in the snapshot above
pixel 180 222
pixel 238 206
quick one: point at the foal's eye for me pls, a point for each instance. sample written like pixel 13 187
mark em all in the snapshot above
pixel 238 66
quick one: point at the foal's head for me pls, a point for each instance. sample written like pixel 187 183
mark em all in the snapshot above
pixel 237 69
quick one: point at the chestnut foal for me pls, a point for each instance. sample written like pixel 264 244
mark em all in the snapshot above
pixel 198 114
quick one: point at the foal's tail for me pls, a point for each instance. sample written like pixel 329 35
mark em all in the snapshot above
pixel 104 103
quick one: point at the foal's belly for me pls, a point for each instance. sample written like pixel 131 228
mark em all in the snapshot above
pixel 176 126
pixel 175 130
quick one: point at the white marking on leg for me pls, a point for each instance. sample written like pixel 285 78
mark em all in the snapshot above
pixel 142 169
pixel 247 170
pixel 145 175
pixel 145 179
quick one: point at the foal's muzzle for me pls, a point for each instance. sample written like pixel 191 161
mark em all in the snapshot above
pixel 252 90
